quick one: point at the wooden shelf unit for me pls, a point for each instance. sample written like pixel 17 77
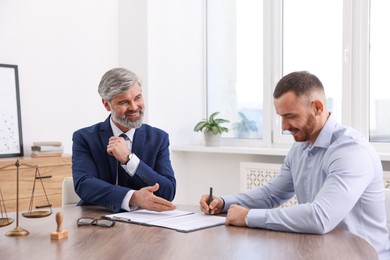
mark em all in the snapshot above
pixel 52 171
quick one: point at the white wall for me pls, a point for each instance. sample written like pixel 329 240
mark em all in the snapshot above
pixel 62 48
pixel 176 78
pixel 196 172
pixel 175 67
pixel 133 40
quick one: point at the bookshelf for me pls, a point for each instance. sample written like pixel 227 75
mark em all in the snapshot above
pixel 52 170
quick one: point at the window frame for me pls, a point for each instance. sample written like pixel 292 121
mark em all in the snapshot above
pixel 355 73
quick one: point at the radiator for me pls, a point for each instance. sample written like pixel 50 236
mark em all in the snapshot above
pixel 386 179
pixel 255 174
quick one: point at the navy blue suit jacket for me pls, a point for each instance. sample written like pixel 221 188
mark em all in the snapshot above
pixel 95 171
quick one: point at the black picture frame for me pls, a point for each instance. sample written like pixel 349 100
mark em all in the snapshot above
pixel 11 141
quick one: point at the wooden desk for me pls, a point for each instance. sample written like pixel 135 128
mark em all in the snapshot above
pixel 130 241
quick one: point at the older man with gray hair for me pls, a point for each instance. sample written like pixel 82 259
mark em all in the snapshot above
pixel 122 163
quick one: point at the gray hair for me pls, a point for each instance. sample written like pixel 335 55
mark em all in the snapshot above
pixel 116 81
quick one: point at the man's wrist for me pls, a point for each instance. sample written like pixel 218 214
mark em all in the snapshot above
pixel 223 204
pixel 128 158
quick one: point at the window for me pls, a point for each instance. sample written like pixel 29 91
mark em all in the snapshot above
pixel 235 65
pixel 313 42
pixel 379 55
pixel 251 44
pixel 306 46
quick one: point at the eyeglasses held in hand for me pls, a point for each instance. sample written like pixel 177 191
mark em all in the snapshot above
pixel 101 222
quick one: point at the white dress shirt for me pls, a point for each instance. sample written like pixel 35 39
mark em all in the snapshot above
pixel 338 183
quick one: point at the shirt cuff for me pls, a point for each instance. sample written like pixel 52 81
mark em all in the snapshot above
pixel 132 165
pixel 228 200
pixel 257 218
pixel 126 201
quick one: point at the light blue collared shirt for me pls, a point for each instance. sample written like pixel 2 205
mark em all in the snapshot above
pixel 338 183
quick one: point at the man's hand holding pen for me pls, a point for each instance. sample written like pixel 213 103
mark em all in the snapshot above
pixel 236 215
pixel 215 206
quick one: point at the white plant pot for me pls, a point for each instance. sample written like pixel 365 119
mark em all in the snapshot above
pixel 211 139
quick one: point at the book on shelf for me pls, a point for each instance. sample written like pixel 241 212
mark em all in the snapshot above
pixel 46 154
pixel 47 148
pixel 47 143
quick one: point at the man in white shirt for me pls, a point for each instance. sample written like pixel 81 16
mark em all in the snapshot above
pixel 332 169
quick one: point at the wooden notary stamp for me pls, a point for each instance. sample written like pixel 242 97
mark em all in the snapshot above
pixel 59 234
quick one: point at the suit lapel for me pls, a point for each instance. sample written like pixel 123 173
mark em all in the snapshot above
pixel 139 140
pixel 105 134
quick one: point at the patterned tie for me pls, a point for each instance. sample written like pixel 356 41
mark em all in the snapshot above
pixel 127 139
pixel 124 136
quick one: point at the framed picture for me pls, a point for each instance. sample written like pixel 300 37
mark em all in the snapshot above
pixel 11 143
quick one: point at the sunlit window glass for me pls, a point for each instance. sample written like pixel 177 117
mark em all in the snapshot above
pixel 312 41
pixel 235 65
pixel 379 83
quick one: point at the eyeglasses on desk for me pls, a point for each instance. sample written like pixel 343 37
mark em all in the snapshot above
pixel 100 222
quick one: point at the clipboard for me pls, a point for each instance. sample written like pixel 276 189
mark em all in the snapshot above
pixel 179 220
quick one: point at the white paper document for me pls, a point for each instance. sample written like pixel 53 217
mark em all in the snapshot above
pixel 183 221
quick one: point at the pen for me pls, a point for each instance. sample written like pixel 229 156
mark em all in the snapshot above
pixel 121 219
pixel 210 198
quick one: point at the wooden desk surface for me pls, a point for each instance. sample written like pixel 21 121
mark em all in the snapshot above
pixel 131 241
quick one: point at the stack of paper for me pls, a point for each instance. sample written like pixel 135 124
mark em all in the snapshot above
pixel 183 221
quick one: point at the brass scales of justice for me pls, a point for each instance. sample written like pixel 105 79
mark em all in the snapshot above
pixel 5 221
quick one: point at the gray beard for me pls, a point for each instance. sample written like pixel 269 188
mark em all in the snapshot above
pixel 127 123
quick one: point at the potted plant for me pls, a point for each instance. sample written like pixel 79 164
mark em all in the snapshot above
pixel 245 126
pixel 212 129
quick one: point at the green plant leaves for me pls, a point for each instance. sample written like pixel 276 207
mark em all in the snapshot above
pixel 212 125
pixel 199 126
pixel 245 125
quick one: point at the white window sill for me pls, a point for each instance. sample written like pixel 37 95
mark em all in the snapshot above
pixel 245 150
pixel 230 150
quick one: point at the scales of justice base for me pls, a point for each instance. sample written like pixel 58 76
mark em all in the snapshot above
pixel 5 220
